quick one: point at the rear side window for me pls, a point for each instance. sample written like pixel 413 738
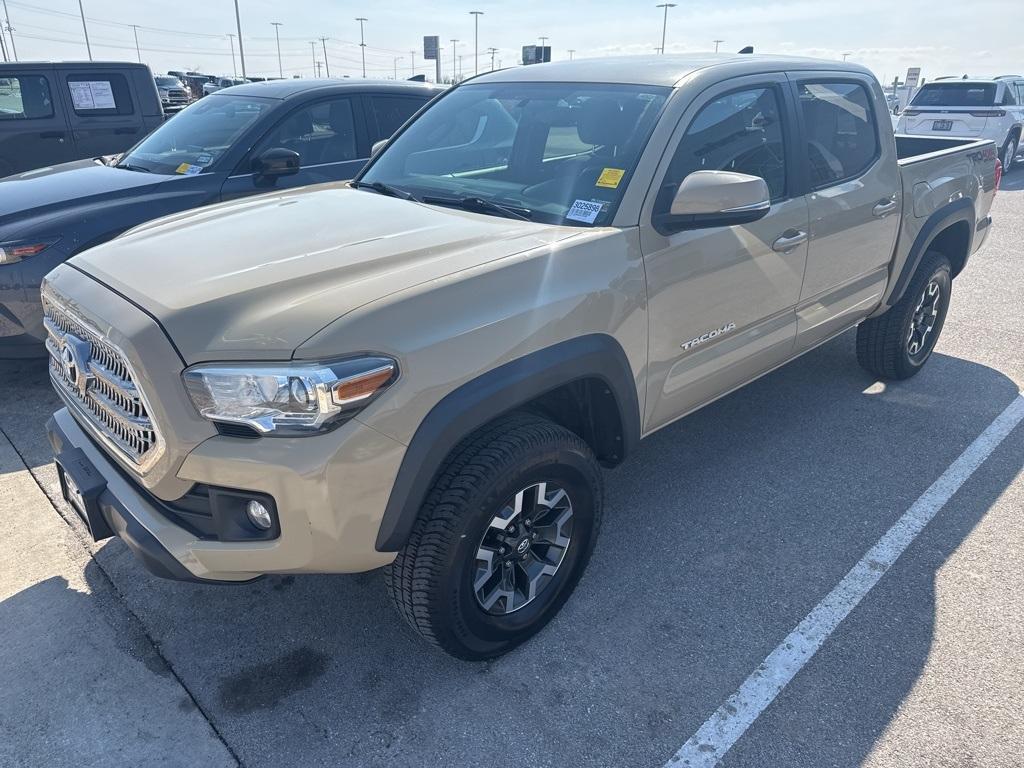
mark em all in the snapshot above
pixel 25 97
pixel 956 95
pixel 94 95
pixel 841 138
pixel 742 132
pixel 389 113
pixel 1008 98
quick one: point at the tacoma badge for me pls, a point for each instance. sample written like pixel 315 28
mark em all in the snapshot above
pixel 705 337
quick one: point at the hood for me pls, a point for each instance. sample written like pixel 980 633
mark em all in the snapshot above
pixel 253 279
pixel 81 183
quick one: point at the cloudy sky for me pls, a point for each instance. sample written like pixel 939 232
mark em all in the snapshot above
pixel 940 36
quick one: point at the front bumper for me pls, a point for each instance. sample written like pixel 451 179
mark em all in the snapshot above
pixel 328 514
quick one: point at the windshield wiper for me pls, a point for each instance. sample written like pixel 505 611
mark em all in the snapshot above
pixel 480 204
pixel 385 189
pixel 138 168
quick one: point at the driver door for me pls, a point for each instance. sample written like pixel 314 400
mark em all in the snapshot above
pixel 330 138
pixel 722 299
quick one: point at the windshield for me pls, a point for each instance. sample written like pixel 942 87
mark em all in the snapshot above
pixel 955 95
pixel 560 152
pixel 195 138
pixel 168 82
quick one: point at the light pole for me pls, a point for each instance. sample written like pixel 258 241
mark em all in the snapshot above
pixel 312 47
pixel 327 64
pixel 277 35
pixel 845 55
pixel 476 40
pixel 362 42
pixel 3 43
pixel 10 31
pixel 717 43
pixel 397 59
pixel 85 29
pixel 241 48
pixel 492 51
pixel 572 51
pixel 412 63
pixel 664 23
pixel 454 60
pixel 234 69
pixel 138 53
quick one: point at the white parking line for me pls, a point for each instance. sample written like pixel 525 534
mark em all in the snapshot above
pixel 720 731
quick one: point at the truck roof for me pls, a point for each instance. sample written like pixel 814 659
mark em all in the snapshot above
pixel 22 66
pixel 661 70
pixel 282 89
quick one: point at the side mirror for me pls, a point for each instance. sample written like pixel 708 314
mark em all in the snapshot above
pixel 378 146
pixel 277 162
pixel 717 199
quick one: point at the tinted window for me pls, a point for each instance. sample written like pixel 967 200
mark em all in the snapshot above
pixel 1008 99
pixel 956 95
pixel 841 137
pixel 389 113
pixel 739 132
pixel 320 133
pixel 96 94
pixel 198 135
pixel 25 97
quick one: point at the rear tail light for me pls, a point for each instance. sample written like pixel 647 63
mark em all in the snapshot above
pixel 911 112
pixel 988 113
pixel 999 173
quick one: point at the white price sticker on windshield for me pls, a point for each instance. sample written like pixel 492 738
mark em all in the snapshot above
pixel 585 211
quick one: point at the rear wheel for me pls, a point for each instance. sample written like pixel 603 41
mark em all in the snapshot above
pixel 897 344
pixel 1009 154
pixel 502 539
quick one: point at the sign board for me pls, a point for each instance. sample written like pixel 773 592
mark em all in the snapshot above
pixel 536 54
pixel 913 77
pixel 430 46
pixel 91 94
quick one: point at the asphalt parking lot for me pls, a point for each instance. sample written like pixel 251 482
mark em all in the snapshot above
pixel 721 534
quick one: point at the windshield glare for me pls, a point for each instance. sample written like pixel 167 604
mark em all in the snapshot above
pixel 562 151
pixel 194 140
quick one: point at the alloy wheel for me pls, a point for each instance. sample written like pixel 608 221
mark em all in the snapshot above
pixel 925 316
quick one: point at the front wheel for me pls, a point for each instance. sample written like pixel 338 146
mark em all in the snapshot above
pixel 897 344
pixel 502 539
pixel 1009 154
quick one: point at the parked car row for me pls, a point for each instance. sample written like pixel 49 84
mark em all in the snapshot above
pixel 425 369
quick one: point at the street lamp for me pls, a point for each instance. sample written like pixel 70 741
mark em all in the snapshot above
pixel 234 69
pixel 845 55
pixel 277 34
pixel 327 64
pixel 492 51
pixel 85 29
pixel 664 23
pixel 312 48
pixel 397 59
pixel 572 51
pixel 10 31
pixel 138 52
pixel 241 47
pixel 362 42
pixel 717 43
pixel 476 40
pixel 412 63
pixel 454 60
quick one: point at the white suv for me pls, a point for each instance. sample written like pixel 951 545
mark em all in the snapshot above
pixel 980 108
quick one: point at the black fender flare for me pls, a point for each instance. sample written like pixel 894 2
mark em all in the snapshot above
pixel 496 392
pixel 958 210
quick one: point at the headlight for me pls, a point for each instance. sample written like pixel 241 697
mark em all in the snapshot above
pixel 16 251
pixel 288 399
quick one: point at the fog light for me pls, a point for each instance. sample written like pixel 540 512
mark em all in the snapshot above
pixel 259 515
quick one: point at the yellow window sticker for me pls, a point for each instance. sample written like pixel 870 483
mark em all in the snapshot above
pixel 183 168
pixel 610 178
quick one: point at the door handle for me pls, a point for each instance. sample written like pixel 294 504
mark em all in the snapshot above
pixel 884 208
pixel 123 131
pixel 789 240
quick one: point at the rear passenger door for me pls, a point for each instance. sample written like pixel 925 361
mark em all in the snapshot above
pixel 854 200
pixel 101 109
pixel 33 131
pixel 385 113
pixel 329 138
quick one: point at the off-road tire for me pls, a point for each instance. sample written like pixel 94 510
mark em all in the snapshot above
pixel 883 341
pixel 431 581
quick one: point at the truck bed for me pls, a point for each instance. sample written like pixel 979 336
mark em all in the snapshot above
pixel 912 149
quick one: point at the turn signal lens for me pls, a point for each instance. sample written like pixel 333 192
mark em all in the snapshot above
pixel 357 388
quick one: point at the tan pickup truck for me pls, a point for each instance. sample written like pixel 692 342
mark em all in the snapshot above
pixel 427 368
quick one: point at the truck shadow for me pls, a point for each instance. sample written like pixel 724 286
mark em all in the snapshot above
pixel 721 533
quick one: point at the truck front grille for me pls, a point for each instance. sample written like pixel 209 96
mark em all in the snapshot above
pixel 92 373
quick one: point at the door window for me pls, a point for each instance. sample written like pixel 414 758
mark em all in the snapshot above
pixel 95 95
pixel 1008 98
pixel 321 133
pixel 25 97
pixel 740 131
pixel 841 138
pixel 389 113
